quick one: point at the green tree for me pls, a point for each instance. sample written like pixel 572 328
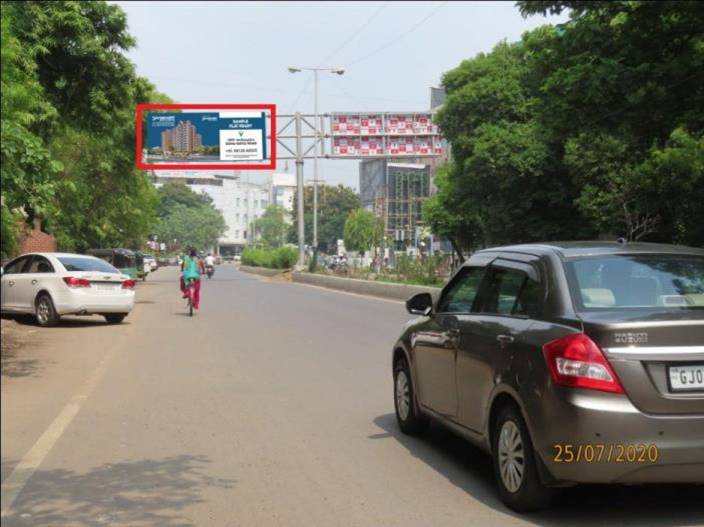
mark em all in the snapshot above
pixel 271 227
pixel 334 205
pixel 445 216
pixel 198 227
pixel 173 193
pixel 591 128
pixel 620 88
pixel 76 91
pixel 188 217
pixel 361 231
pixel 504 183
pixel 26 167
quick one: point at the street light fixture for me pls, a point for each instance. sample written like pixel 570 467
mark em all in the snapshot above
pixel 337 71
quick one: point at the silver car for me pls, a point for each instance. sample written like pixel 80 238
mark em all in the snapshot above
pixel 570 363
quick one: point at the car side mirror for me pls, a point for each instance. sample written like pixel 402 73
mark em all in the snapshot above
pixel 420 304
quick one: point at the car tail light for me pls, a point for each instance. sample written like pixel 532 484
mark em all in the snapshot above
pixel 128 284
pixel 576 361
pixel 74 282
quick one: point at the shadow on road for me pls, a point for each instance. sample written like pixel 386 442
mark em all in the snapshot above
pixel 470 469
pixel 140 493
pixel 13 365
pixel 66 321
pixel 13 362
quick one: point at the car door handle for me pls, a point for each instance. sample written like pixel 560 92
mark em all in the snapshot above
pixel 11 283
pixel 34 282
pixel 504 339
pixel 452 337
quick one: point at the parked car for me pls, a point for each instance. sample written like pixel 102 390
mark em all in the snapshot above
pixel 49 285
pixel 569 362
pixel 237 258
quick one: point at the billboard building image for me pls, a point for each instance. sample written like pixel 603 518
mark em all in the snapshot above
pixel 182 138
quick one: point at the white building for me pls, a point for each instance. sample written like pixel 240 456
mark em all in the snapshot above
pixel 241 202
pixel 283 189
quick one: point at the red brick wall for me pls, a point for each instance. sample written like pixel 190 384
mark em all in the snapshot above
pixel 37 241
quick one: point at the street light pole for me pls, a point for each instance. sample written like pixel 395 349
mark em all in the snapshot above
pixel 315 171
pixel 317 136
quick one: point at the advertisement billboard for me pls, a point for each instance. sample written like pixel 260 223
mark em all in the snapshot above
pixel 206 136
pixel 401 134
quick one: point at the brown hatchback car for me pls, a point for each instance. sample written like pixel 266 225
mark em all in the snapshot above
pixel 575 362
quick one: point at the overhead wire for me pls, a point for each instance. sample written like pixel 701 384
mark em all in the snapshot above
pixel 400 36
pixel 356 33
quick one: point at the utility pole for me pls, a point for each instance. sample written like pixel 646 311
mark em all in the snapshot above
pixel 299 185
pixel 315 170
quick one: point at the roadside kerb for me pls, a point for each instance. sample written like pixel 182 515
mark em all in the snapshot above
pixel 263 271
pixel 364 287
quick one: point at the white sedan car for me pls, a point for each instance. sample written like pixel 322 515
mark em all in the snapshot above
pixel 48 285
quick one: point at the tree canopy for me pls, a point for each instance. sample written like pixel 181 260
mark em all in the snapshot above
pixel 334 205
pixel 271 227
pixel 187 218
pixel 361 231
pixel 591 128
pixel 68 99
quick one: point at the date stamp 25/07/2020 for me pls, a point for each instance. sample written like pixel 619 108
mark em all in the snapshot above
pixel 605 453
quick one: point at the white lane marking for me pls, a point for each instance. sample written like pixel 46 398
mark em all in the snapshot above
pixel 16 481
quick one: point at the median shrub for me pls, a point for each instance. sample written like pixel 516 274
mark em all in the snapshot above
pixel 281 258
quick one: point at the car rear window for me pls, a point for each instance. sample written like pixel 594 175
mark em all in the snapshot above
pixel 86 264
pixel 637 281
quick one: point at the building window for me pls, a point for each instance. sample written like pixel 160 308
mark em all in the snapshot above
pixel 237 218
pixel 264 204
pixel 237 234
pixel 238 202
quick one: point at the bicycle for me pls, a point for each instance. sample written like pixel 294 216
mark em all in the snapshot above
pixel 191 288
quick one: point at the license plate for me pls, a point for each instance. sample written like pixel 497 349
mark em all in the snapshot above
pixel 686 378
pixel 105 287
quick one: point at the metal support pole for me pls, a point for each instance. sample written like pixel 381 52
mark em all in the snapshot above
pixel 315 169
pixel 299 184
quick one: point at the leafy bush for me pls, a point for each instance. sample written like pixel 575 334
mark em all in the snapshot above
pixel 281 258
pixel 9 234
pixel 422 271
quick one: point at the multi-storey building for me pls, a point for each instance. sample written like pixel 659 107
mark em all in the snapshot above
pixel 395 190
pixel 181 138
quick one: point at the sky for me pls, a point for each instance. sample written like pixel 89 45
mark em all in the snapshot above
pixel 239 52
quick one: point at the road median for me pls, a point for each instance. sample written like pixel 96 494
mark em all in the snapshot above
pixel 363 287
pixel 262 271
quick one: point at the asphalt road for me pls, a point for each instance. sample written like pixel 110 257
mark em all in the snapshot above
pixel 272 406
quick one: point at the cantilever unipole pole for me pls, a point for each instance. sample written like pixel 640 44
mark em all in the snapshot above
pixel 299 184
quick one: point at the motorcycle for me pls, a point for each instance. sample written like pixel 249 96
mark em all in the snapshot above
pixel 209 270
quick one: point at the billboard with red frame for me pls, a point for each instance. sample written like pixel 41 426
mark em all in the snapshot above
pixel 206 136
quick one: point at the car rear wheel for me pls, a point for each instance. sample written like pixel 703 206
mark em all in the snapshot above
pixel 515 463
pixel 115 318
pixel 409 420
pixel 45 312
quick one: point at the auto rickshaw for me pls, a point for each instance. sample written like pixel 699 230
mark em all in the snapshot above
pixel 141 270
pixel 123 260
